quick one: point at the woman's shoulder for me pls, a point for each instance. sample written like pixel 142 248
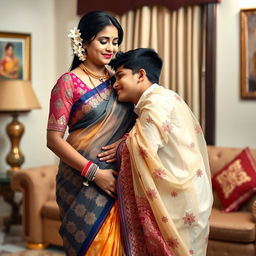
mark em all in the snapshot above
pixel 64 81
pixel 67 76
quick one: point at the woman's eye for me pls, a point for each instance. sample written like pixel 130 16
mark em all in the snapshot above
pixel 115 43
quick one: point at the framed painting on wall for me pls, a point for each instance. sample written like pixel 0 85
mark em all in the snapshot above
pixel 14 56
pixel 248 53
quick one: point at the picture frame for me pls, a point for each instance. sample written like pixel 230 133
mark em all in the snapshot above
pixel 15 56
pixel 248 53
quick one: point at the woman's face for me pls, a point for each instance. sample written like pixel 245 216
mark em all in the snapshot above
pixel 103 47
pixel 10 51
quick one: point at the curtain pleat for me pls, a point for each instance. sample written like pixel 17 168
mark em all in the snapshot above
pixel 196 62
pixel 202 77
pixel 179 39
pixel 166 48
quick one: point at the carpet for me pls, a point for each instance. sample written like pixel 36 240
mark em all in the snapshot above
pixel 31 253
pixel 12 244
pixel 13 250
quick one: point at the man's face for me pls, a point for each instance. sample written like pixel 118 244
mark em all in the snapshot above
pixel 126 85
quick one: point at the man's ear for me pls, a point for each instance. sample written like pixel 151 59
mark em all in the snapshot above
pixel 142 74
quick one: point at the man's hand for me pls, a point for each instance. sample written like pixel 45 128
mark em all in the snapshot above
pixel 110 152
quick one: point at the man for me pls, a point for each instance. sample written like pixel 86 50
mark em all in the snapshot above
pixel 169 164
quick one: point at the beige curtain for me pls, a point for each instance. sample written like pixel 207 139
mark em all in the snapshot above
pixel 178 38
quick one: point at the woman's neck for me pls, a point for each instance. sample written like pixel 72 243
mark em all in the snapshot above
pixel 98 69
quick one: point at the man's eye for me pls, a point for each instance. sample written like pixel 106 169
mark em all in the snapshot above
pixel 120 76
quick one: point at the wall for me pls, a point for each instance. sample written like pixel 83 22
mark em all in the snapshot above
pixel 66 20
pixel 37 18
pixel 236 122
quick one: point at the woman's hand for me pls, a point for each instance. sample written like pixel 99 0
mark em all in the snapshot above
pixel 105 179
pixel 110 152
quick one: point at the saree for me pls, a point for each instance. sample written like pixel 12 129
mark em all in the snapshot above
pixel 87 213
pixel 10 67
pixel 164 186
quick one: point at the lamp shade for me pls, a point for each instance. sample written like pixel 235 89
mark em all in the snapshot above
pixel 17 95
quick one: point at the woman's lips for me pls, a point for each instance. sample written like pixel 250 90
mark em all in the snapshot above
pixel 107 56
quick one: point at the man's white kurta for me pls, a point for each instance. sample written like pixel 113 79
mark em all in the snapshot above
pixel 170 168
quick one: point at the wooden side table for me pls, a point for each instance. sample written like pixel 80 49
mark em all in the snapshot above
pixel 8 195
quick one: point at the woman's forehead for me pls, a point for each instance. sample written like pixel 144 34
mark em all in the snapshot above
pixel 108 31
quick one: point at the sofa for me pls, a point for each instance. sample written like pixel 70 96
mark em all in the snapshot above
pixel 40 215
pixel 230 233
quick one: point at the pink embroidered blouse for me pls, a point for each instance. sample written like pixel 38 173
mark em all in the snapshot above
pixel 68 89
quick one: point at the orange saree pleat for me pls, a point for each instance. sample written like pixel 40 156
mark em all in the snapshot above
pixel 108 240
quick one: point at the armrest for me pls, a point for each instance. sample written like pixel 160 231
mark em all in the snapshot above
pixel 37 186
pixel 253 208
pixel 254 211
pixel 250 206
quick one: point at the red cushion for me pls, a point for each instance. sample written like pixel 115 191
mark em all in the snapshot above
pixel 235 183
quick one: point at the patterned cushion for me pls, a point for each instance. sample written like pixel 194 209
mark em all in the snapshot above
pixel 236 181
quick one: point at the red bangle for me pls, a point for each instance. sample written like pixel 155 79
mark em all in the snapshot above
pixel 86 168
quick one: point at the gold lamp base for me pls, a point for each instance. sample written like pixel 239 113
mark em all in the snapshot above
pixel 37 246
pixel 15 130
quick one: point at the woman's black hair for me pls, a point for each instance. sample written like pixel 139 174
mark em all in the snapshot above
pixel 8 45
pixel 91 24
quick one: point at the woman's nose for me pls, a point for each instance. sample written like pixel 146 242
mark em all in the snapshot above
pixel 110 47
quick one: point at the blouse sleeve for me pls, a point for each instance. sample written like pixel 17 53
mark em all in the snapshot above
pixel 61 102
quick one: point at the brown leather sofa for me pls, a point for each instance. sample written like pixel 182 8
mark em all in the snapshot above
pixel 230 233
pixel 40 215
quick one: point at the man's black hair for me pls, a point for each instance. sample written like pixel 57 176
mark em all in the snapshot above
pixel 141 58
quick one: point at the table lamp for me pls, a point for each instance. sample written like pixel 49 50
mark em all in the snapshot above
pixel 16 96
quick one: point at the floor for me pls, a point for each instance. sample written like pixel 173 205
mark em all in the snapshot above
pixel 12 244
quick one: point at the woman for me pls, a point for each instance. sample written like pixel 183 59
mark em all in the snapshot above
pixel 9 64
pixel 84 100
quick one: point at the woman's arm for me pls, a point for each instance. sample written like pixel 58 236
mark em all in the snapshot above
pixel 105 179
pixel 59 146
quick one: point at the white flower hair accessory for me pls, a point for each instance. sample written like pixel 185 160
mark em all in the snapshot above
pixel 76 43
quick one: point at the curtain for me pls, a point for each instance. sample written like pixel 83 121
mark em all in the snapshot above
pixel 179 39
pixel 121 7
